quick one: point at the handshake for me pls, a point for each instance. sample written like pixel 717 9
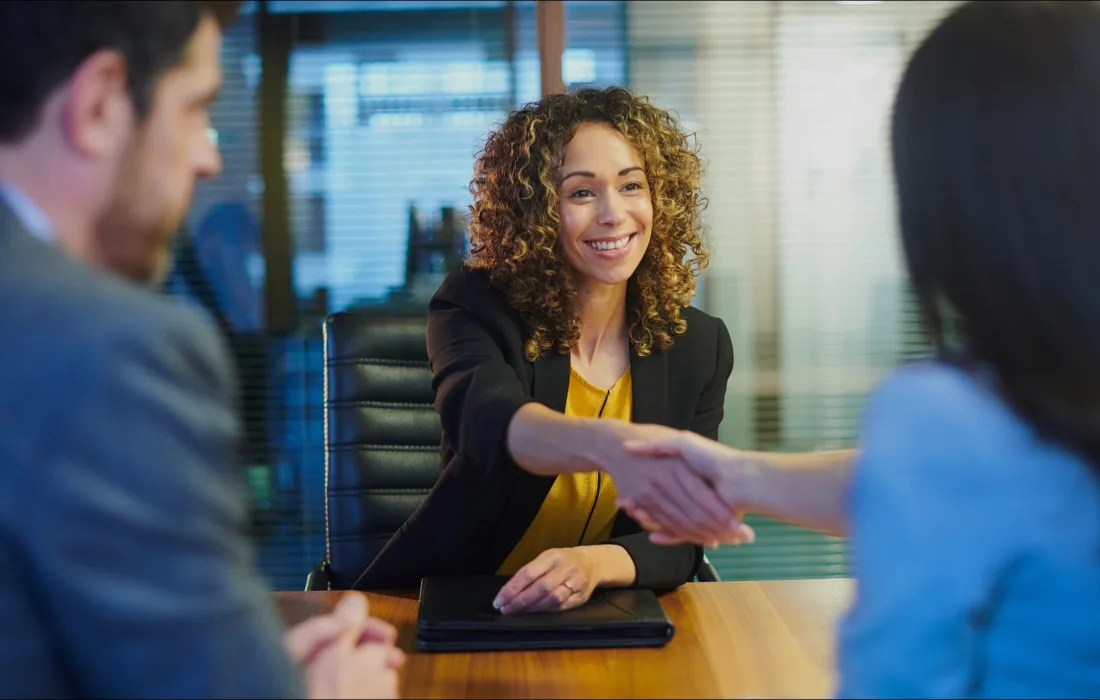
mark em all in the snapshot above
pixel 680 486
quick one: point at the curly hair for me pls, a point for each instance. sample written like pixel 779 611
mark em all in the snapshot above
pixel 514 220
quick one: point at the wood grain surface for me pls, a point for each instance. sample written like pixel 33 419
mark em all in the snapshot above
pixel 743 639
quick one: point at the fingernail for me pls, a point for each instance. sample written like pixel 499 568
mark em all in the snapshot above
pixel 497 602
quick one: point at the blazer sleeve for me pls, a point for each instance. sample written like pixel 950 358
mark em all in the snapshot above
pixel 476 391
pixel 136 538
pixel 660 567
pixel 712 402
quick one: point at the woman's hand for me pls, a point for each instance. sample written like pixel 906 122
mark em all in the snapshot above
pixel 557 579
pixel 545 442
pixel 730 472
pixel 656 479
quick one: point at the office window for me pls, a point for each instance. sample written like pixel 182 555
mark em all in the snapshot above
pixel 401 98
pixel 220 270
pixel 595 44
pixel 222 228
pixel 791 101
pixel 393 103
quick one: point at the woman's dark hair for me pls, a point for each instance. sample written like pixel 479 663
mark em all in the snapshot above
pixel 996 145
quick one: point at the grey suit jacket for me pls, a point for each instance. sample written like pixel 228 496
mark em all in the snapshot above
pixel 125 570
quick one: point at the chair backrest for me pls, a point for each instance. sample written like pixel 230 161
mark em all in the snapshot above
pixel 382 434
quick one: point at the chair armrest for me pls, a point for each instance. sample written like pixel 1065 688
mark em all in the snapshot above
pixel 320 578
pixel 707 573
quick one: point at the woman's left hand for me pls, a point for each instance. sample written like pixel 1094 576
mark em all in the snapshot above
pixel 557 579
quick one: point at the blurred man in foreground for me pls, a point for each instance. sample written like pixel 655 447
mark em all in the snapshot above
pixel 124 566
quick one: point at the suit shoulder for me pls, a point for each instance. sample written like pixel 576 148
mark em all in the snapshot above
pixel 71 295
pixel 99 314
pixel 471 289
pixel 178 341
pixel 705 346
pixel 698 318
pixel 136 315
pixel 467 285
pixel 703 330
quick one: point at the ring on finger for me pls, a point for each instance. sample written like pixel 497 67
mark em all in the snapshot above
pixel 570 587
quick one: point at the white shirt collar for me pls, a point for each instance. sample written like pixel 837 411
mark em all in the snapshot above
pixel 31 216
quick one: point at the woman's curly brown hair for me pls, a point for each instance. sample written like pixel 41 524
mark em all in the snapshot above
pixel 514 219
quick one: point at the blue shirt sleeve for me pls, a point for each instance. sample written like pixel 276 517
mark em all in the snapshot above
pixel 928 539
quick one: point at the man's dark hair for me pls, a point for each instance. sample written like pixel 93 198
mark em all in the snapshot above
pixel 996 145
pixel 43 42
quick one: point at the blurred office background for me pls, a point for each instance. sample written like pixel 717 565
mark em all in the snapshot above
pixel 348 130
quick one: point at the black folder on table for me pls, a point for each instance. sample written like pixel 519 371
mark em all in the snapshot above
pixel 457 614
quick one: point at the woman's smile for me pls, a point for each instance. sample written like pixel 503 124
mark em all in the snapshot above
pixel 613 247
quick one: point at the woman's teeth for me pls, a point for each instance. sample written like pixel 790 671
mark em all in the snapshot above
pixel 610 245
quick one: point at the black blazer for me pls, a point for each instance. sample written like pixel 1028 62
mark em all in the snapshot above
pixel 483 502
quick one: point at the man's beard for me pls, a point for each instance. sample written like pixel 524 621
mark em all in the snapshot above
pixel 138 251
pixel 132 238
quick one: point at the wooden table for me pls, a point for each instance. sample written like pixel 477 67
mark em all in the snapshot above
pixel 754 639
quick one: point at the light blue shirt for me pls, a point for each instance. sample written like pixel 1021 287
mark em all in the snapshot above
pixel 31 216
pixel 976 547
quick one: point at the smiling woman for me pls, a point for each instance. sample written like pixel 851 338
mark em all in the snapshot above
pixel 551 171
pixel 570 322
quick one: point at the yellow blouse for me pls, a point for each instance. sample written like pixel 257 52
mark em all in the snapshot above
pixel 561 521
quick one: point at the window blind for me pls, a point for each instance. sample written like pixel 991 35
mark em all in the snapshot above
pixel 790 102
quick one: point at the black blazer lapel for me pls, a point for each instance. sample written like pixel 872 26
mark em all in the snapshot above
pixel 550 387
pixel 551 384
pixel 649 403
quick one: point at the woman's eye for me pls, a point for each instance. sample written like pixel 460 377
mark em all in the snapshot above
pixel 632 186
pixel 577 194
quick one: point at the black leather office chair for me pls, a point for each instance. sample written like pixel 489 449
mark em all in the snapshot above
pixel 382 439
